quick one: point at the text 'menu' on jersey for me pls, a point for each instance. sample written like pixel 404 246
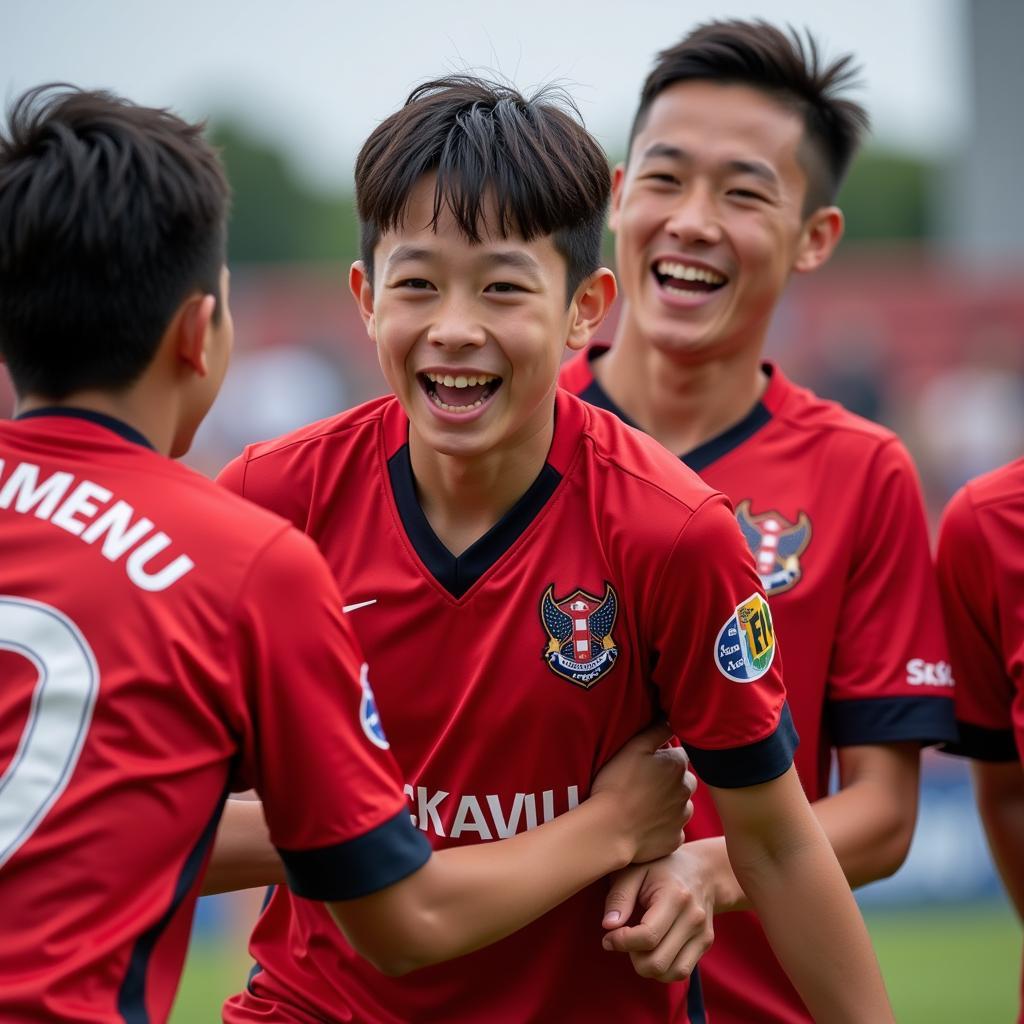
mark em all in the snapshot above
pixel 981 579
pixel 507 676
pixel 161 642
pixel 830 508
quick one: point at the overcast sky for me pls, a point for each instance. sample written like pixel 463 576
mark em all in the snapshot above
pixel 317 75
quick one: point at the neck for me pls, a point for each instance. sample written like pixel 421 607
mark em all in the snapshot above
pixel 146 414
pixel 679 401
pixel 463 497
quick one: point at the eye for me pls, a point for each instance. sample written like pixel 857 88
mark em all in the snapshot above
pixel 503 288
pixel 661 178
pixel 415 283
pixel 746 193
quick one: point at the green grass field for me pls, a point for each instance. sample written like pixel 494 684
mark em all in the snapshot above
pixel 942 967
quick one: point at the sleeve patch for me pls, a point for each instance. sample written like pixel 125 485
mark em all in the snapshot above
pixel 750 765
pixel 745 646
pixel 363 865
pixel 982 744
pixel 924 720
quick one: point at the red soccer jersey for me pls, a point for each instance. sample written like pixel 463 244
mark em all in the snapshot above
pixel 161 641
pixel 981 578
pixel 618 585
pixel 830 507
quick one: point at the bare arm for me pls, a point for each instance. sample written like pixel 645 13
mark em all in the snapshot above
pixel 869 824
pixel 783 861
pixel 468 897
pixel 999 788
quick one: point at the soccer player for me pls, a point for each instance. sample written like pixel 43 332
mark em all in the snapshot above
pixel 739 143
pixel 562 574
pixel 981 581
pixel 162 640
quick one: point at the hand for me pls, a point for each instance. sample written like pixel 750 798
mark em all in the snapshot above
pixel 652 792
pixel 675 931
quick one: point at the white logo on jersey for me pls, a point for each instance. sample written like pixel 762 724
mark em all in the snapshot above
pixel 346 608
pixel 929 673
pixel 488 817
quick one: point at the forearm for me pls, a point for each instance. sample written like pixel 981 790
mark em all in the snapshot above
pixel 1000 793
pixel 243 856
pixel 471 896
pixel 813 925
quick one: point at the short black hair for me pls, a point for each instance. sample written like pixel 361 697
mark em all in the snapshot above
pixel 483 139
pixel 787 67
pixel 110 215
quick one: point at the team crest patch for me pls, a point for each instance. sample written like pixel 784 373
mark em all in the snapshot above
pixel 745 647
pixel 580 646
pixel 777 545
pixel 369 716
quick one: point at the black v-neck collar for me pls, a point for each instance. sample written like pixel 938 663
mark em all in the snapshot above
pixel 704 454
pixel 458 573
pixel 119 427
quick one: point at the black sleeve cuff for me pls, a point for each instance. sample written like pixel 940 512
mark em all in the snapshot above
pixel 363 865
pixel 755 763
pixel 982 744
pixel 924 720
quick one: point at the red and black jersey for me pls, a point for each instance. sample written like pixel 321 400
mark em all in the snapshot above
pixel 616 589
pixel 981 579
pixel 162 642
pixel 830 507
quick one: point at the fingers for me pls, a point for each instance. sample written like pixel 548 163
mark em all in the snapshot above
pixel 676 956
pixel 622 897
pixel 665 906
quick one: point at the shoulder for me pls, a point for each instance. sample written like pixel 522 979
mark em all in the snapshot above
pixel 994 497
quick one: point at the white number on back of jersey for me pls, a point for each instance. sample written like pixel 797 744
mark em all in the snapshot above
pixel 58 719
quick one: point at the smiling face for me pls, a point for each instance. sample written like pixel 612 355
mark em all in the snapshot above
pixel 470 335
pixel 708 218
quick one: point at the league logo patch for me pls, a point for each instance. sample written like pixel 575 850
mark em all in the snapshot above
pixel 777 545
pixel 369 716
pixel 745 647
pixel 581 648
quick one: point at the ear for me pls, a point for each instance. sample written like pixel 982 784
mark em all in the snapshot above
pixel 618 177
pixel 362 292
pixel 192 332
pixel 820 235
pixel 590 305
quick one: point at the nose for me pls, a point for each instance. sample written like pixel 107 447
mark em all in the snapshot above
pixel 694 219
pixel 455 326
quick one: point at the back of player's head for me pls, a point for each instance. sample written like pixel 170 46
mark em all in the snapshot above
pixel 785 66
pixel 111 214
pixel 485 142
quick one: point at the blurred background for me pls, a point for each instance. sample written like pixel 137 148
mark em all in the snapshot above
pixel 917 323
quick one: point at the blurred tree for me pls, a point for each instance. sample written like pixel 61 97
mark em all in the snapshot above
pixel 276 217
pixel 888 196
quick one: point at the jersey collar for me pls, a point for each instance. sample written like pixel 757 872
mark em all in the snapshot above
pixel 710 451
pixel 119 427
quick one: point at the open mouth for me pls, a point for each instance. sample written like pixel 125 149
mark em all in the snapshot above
pixel 459 392
pixel 687 279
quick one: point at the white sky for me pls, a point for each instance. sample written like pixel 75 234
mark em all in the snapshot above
pixel 316 76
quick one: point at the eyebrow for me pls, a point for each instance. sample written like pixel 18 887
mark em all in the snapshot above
pixel 757 168
pixel 509 258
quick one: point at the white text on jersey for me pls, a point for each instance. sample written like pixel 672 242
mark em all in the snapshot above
pixel 77 509
pixel 487 817
pixel 929 673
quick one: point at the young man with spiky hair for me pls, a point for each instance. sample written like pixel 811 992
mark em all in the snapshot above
pixel 737 150
pixel 162 640
pixel 565 578
pixel 981 580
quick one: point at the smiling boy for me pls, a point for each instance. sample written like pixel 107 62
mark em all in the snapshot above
pixel 740 141
pixel 563 576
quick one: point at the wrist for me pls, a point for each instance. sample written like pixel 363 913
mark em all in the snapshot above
pixel 617 835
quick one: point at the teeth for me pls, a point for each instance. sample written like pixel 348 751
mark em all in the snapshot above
pixel 685 272
pixel 460 381
pixel 456 408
